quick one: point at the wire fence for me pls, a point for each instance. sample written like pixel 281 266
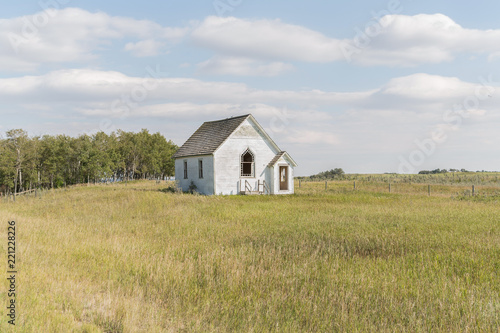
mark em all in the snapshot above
pixel 416 188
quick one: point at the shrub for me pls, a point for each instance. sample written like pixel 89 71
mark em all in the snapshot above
pixel 192 187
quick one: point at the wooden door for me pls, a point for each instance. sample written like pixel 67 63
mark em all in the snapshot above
pixel 283 178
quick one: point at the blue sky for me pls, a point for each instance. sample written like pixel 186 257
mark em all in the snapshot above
pixel 368 86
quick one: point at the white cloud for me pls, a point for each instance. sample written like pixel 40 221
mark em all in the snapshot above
pixel 94 85
pixel 420 97
pixel 242 47
pixel 145 48
pixel 265 40
pixel 494 56
pixel 428 87
pixel 283 124
pixel 74 35
pixel 386 120
pixel 411 40
pixel 240 66
pixel 170 110
pixel 398 40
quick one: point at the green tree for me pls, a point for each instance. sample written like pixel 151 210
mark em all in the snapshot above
pixel 17 147
pixel 52 161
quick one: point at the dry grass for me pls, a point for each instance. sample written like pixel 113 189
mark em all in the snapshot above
pixel 134 259
pixel 437 189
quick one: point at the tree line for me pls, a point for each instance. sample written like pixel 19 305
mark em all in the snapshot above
pixel 54 161
pixel 325 175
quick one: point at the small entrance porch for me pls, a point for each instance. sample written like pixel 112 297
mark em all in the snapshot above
pixel 260 188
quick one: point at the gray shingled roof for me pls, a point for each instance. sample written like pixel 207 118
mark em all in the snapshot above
pixel 209 137
pixel 276 158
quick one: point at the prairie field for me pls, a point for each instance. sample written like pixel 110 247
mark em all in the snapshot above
pixel 139 258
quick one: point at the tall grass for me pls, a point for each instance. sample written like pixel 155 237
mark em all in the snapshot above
pixel 436 189
pixel 135 259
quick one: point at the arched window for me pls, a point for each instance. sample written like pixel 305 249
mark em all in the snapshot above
pixel 247 164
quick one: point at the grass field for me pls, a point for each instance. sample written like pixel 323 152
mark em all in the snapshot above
pixel 133 258
pixel 449 178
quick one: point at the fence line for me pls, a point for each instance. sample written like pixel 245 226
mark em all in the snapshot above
pixel 401 188
pixel 29 191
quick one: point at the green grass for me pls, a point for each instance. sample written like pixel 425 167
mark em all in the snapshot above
pixel 484 189
pixel 135 259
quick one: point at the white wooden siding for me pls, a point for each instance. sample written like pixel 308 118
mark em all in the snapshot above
pixel 205 185
pixel 227 159
pixel 221 171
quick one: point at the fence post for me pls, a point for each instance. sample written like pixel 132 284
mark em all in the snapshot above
pixel 473 190
pixel 300 181
pixel 389 187
pixel 326 184
pixel 429 189
pixel 354 185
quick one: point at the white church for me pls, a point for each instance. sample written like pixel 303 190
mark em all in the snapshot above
pixel 233 156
